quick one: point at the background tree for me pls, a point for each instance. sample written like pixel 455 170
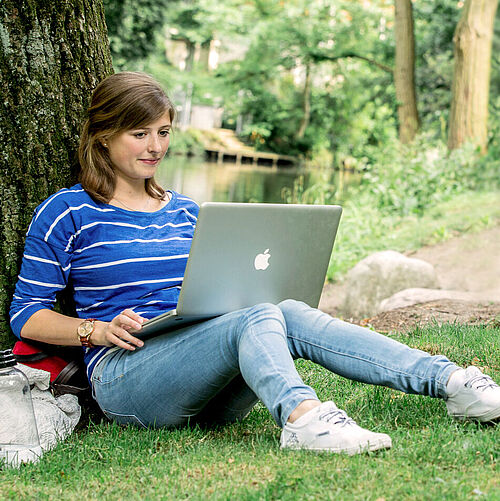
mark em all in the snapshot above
pixel 133 27
pixel 318 79
pixel 309 79
pixel 494 108
pixel 435 23
pixel 471 78
pixel 404 71
pixel 52 54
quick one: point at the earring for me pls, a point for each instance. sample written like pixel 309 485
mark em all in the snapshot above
pixel 105 145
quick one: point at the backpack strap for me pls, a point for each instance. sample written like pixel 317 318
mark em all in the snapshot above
pixel 60 384
pixel 35 357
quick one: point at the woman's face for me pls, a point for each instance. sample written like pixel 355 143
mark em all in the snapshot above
pixel 135 154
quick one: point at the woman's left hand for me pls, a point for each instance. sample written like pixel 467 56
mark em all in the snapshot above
pixel 116 332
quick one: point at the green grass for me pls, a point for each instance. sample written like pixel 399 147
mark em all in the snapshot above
pixel 365 229
pixel 433 456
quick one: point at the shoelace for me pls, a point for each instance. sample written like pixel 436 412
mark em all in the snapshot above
pixel 336 416
pixel 481 382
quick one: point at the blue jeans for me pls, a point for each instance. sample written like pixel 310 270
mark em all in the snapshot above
pixel 217 370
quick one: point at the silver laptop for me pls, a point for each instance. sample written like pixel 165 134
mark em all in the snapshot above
pixel 244 254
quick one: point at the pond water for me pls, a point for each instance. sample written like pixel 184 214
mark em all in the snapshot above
pixel 228 182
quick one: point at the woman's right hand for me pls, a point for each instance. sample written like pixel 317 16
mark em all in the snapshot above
pixel 116 332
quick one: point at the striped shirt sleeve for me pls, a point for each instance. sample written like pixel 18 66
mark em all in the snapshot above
pixel 44 272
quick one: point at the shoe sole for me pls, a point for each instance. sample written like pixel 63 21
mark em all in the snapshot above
pixel 491 417
pixel 371 446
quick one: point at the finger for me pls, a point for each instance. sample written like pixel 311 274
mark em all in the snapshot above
pixel 126 322
pixel 120 343
pixel 122 338
pixel 133 315
pixel 136 341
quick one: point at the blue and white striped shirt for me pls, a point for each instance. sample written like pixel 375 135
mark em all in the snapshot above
pixel 112 258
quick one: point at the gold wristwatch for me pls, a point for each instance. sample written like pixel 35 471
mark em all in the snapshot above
pixel 85 330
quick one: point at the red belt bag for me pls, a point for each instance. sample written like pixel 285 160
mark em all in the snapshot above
pixel 67 370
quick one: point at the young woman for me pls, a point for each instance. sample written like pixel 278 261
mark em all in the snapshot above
pixel 121 242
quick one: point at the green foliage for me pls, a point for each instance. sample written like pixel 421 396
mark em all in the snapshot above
pixel 347 96
pixel 133 27
pixel 435 23
pixel 494 109
pixel 197 21
pixel 319 191
pixel 186 142
pixel 495 62
pixel 352 106
pixel 348 47
pixel 407 180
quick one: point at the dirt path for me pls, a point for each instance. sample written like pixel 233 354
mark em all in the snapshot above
pixel 440 311
pixel 469 265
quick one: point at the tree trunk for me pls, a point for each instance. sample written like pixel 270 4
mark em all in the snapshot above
pixel 471 78
pixel 404 71
pixel 52 54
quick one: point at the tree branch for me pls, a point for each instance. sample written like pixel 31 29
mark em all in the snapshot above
pixel 320 56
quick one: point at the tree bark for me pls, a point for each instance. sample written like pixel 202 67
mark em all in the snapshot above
pixel 471 77
pixel 52 54
pixel 404 71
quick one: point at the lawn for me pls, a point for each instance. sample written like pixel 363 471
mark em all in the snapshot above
pixel 433 456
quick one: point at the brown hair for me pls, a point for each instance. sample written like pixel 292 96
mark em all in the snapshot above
pixel 123 101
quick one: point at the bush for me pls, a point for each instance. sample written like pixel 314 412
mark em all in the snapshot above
pixel 407 180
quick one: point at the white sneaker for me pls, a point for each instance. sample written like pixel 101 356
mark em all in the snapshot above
pixel 474 395
pixel 327 428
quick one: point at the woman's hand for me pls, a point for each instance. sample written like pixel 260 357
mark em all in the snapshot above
pixel 116 332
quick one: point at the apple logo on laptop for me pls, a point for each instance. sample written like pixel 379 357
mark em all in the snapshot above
pixel 262 260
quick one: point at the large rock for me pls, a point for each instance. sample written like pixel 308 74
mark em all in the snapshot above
pixel 381 275
pixel 410 297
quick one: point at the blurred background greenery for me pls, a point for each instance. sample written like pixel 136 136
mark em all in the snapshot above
pixel 317 80
pixel 252 58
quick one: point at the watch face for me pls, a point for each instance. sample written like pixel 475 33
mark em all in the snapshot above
pixel 85 328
